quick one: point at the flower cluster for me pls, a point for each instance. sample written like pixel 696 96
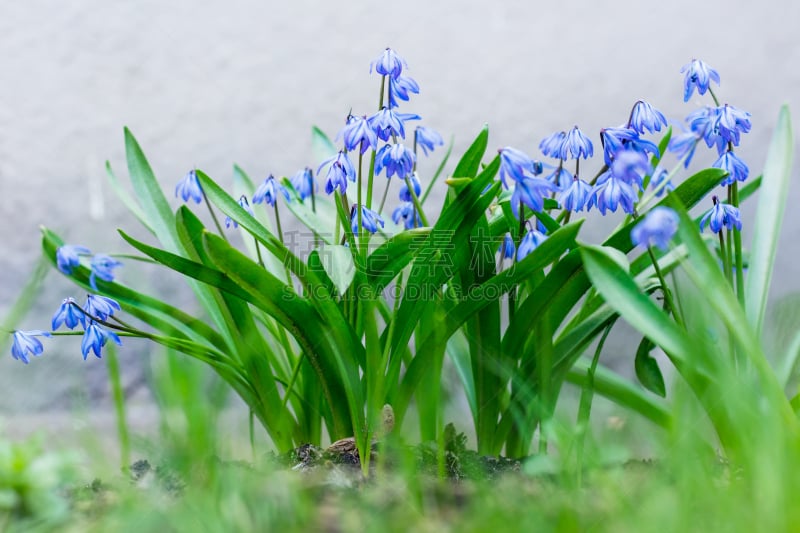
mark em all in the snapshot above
pixel 68 258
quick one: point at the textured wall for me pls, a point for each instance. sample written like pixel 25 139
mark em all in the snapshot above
pixel 213 83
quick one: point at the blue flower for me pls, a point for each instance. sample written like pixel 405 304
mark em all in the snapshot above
pixel 396 159
pixel 399 89
pixel 736 168
pixel 70 314
pixel 614 192
pixel 189 187
pixel 529 243
pixel 68 257
pixel 95 338
pixel 645 117
pixel 405 193
pixel 26 342
pixel 656 229
pixel 340 170
pixel 630 166
pixel 704 122
pixel 659 175
pixel 684 145
pixel 553 144
pixel 386 123
pixel 699 75
pixel 266 192
pixel 427 139
pixel 531 192
pixel 406 212
pixel 358 135
pixel 389 64
pixel 303 183
pixel 100 307
pixel 102 267
pixel 369 220
pixel 561 178
pixel 577 145
pixel 577 196
pixel 731 122
pixel 246 206
pixel 507 248
pixel 721 215
pixel 515 164
pixel 617 139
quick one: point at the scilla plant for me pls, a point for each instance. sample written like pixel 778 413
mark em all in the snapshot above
pixel 498 283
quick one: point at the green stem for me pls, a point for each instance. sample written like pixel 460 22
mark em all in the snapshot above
pixel 415 200
pixel 213 216
pixel 664 288
pixel 118 394
pixel 385 193
pixel 737 249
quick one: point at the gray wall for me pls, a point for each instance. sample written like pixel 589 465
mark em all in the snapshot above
pixel 213 83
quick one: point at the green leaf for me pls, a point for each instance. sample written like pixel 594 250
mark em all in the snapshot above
pixel 126 198
pixel 339 266
pixel 470 162
pixel 321 146
pixel 647 370
pixel 437 174
pixel 769 217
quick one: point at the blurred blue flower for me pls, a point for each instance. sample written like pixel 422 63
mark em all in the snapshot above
pixel 532 239
pixel 561 178
pixel 531 192
pixel 396 159
pixel 515 164
pixel 26 342
pixel 659 175
pixel 684 145
pixel 399 89
pixel 427 139
pixel 387 124
pixel 731 122
pixel 246 206
pixel 266 192
pixel 656 229
pixel 630 166
pixel 507 248
pixel 405 194
pixel 721 215
pixel 102 267
pixel 189 187
pixel 577 196
pixel 340 170
pixel 576 145
pixel 369 220
pixel 645 117
pixel 407 213
pixel 100 307
pixel 68 257
pixel 70 314
pixel 553 144
pixel 389 63
pixel 614 192
pixel 358 135
pixel 736 168
pixel 697 75
pixel 95 338
pixel 303 183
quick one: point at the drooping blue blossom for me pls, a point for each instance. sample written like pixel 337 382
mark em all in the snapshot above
pixel 721 215
pixel 340 169
pixel 303 183
pixel 405 194
pixel 622 138
pixel 576 145
pixel 515 164
pixel 553 144
pixel 358 135
pixel 697 75
pixel 396 159
pixel 736 168
pixel 613 193
pixel 95 338
pixel 407 213
pixel 370 220
pixel 389 63
pixel 68 257
pixel 26 342
pixel 69 314
pixel 656 229
pixel 732 122
pixel 630 166
pixel 267 193
pixel 577 196
pixel 400 88
pixel 189 187
pixel 532 239
pixel 658 177
pixel 645 117
pixel 427 139
pixel 704 122
pixel 530 192
pixel 100 307
pixel 561 178
pixel 387 124
pixel 507 247
pixel 103 268
pixel 683 146
pixel 246 206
